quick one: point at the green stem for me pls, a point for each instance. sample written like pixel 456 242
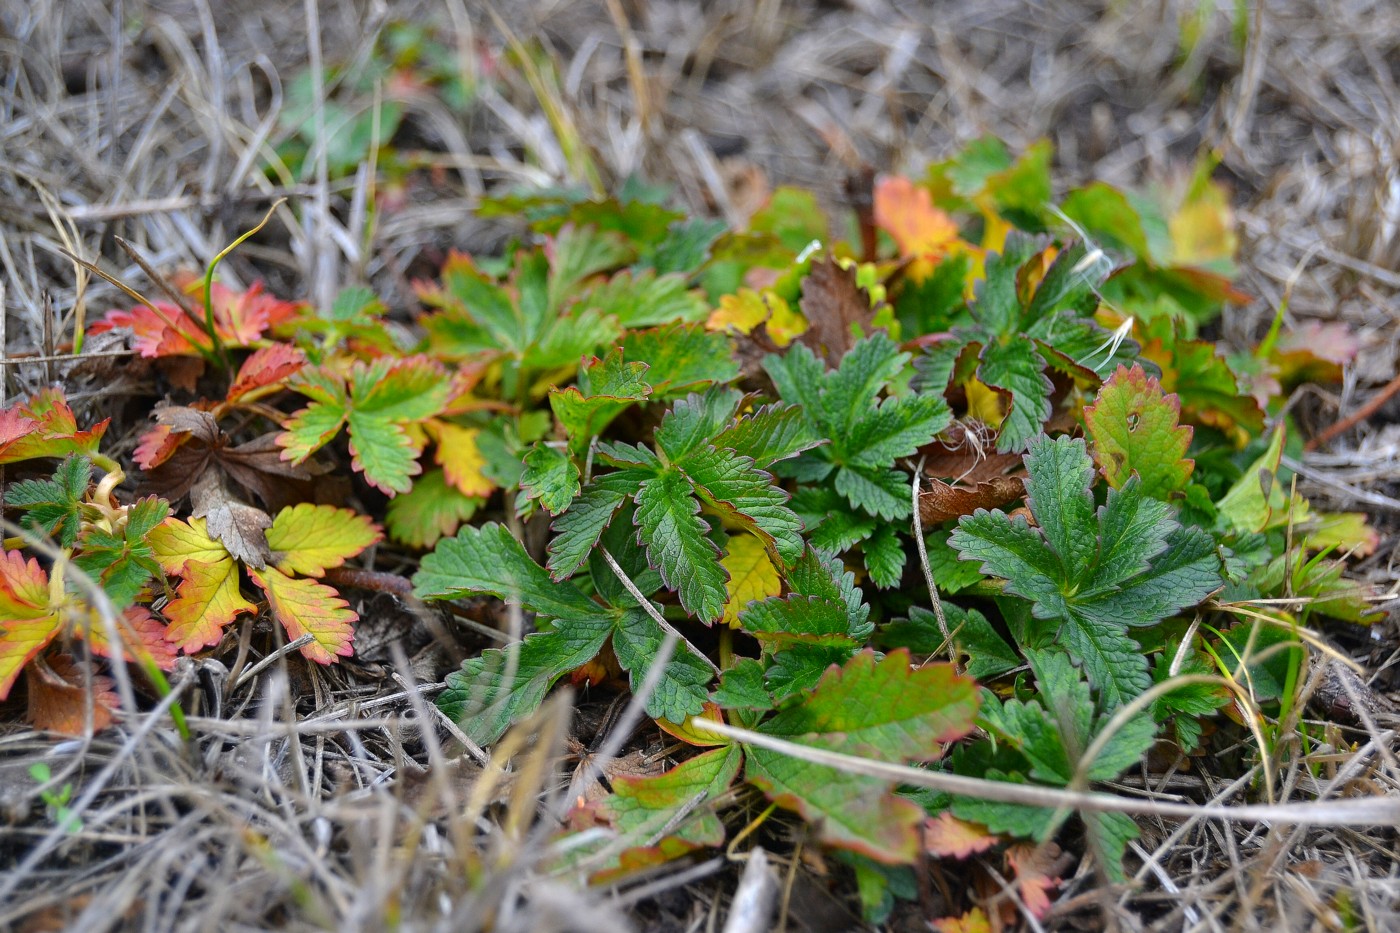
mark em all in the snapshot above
pixel 219 349
pixel 162 685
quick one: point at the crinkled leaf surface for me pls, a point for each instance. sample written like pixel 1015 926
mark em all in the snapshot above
pixel 1133 427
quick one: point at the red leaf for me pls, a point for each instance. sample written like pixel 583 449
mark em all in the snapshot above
pixel 266 367
pixel 949 837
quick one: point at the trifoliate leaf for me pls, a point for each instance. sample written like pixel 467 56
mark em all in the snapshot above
pixel 551 477
pixel 310 538
pixel 51 506
pixel 1133 427
pixel 669 524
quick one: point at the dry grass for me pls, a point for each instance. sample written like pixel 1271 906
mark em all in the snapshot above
pixel 318 799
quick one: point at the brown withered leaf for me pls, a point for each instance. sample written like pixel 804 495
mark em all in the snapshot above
pixel 188 444
pixel 942 502
pixel 58 697
pixel 241 528
pixel 966 453
pixel 833 304
pixel 258 467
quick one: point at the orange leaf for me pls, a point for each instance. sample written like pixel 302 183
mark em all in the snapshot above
pixel 157 446
pixel 311 538
pixel 304 606
pixel 906 212
pixel 207 600
pixel 44 427
pixel 1033 865
pixel 949 837
pixel 26 623
pixel 58 698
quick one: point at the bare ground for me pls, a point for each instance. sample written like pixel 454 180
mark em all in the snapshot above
pixel 316 799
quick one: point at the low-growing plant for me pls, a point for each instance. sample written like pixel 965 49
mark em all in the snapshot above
pixel 762 480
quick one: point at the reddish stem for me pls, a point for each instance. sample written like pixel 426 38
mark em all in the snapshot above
pixel 1361 414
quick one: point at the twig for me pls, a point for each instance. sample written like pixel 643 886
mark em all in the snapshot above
pixel 281 652
pixel 650 610
pixel 1361 414
pixel 928 573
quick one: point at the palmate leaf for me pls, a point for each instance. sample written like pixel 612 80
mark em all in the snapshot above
pixel 208 598
pixel 683 358
pixel 45 426
pixel 683 686
pixel 380 400
pixel 606 388
pixel 123 561
pixel 578 529
pixel 1017 367
pixel 1129 564
pixel 27 624
pixel 772 433
pixel 733 486
pixel 881 709
pixel 430 511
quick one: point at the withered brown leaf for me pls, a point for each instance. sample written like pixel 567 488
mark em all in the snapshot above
pixel 833 304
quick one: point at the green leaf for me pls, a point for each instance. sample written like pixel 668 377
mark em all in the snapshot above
pixel 682 689
pixel 987 652
pixel 1133 427
pixel 430 511
pixel 826 578
pixel 693 420
pixel 733 486
pixel 687 247
pixel 124 561
pixel 741 687
pixel 998 307
pixel 646 300
pixel 51 506
pixel 551 477
pixel 579 252
pixel 606 388
pixel 884 493
pixel 669 524
pixel 898 428
pixel 1017 367
pixel 884 557
pixel 882 709
pixel 487 559
pixel 683 358
pixel 1108 836
pixel 778 622
pixel 1098 573
pixel 504 685
pixel 770 434
pixel 577 530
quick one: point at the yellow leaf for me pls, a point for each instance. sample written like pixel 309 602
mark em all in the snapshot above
pixel 461 459
pixel 751 576
pixel 974 921
pixel 740 312
pixel 311 538
pixel 743 312
pixel 303 607
pixel 1203 231
pixel 985 403
pixel 176 543
pixel 688 733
